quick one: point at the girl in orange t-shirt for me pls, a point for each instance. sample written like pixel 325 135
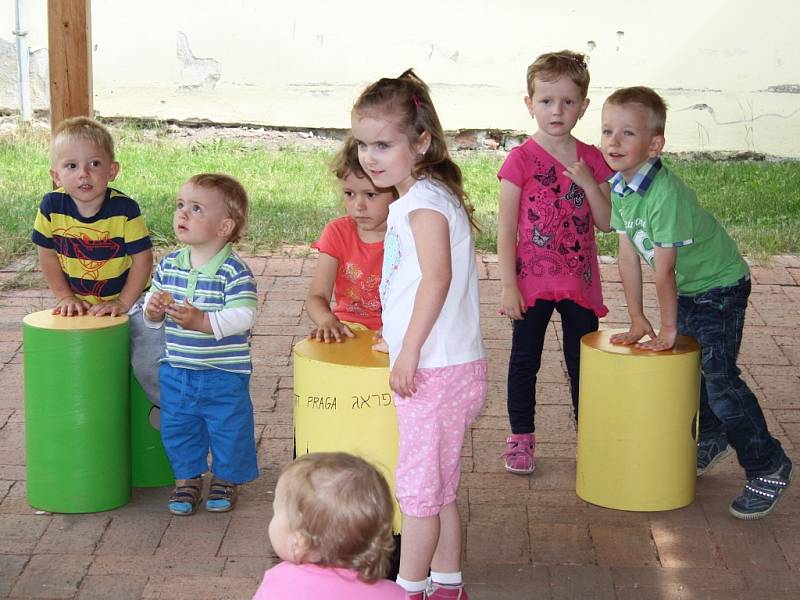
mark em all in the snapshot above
pixel 351 255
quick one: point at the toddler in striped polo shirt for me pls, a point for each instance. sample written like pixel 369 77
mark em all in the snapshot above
pixel 205 297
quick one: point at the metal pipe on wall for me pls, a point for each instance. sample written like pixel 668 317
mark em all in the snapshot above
pixel 25 111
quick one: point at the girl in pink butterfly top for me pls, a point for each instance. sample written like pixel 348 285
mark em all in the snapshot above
pixel 553 193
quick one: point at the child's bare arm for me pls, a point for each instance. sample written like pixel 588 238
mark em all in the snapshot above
pixel 601 206
pixel 667 291
pixel 318 302
pixel 598 195
pixel 67 303
pixel 138 275
pixel 432 239
pixel 512 304
pixel 630 271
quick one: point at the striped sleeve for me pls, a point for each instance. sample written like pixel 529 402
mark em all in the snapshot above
pixel 136 234
pixel 42 227
pixel 240 286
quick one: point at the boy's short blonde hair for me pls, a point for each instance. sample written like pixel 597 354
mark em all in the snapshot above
pixel 340 507
pixel 81 128
pixel 234 195
pixel 554 65
pixel 648 99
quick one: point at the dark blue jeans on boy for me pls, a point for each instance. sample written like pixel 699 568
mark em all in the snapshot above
pixel 527 343
pixel 727 405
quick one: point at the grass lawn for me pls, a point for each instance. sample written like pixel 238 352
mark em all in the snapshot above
pixel 293 195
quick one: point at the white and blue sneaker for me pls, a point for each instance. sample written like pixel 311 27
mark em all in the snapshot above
pixel 761 494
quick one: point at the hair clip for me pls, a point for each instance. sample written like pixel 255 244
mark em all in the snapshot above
pixel 579 61
pixel 415 99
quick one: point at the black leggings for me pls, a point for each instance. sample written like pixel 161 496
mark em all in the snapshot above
pixel 526 356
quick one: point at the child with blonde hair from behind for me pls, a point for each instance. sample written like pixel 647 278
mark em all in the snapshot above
pixel 350 255
pixel 332 528
pixel 553 193
pixel 431 323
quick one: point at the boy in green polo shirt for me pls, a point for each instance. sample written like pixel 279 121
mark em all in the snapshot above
pixel 702 284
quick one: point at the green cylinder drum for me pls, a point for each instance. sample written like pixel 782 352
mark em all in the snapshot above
pixel 77 412
pixel 149 464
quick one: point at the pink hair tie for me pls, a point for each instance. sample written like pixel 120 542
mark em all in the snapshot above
pixel 415 99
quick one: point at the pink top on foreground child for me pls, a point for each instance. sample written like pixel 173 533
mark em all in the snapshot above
pixel 314 582
pixel 332 528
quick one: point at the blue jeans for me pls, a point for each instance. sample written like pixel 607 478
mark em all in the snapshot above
pixel 208 409
pixel 727 406
pixel 527 343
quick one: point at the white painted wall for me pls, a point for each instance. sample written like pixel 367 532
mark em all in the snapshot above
pixel 302 63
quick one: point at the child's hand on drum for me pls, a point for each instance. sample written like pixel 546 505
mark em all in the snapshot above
pixel 379 344
pixel 70 306
pixel 639 328
pixel 113 308
pixel 331 330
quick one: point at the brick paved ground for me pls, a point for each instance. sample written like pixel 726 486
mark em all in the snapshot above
pixel 524 537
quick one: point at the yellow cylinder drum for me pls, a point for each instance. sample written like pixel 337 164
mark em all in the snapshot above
pixel 342 403
pixel 637 425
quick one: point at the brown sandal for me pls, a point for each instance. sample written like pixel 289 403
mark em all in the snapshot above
pixel 186 496
pixel 221 496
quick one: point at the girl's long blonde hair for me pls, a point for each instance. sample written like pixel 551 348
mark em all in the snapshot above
pixel 407 98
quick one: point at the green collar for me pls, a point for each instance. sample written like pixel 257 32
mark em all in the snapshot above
pixel 211 267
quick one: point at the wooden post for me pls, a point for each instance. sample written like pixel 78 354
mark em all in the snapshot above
pixel 70 52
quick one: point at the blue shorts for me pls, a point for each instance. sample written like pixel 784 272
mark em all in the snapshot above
pixel 208 410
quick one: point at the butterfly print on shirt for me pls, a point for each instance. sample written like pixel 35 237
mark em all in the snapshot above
pixel 548 178
pixel 520 267
pixel 539 238
pixel 562 249
pixel 581 224
pixel 587 274
pixel 576 195
pixel 552 236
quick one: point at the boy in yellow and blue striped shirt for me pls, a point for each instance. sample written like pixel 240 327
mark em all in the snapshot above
pixel 93 245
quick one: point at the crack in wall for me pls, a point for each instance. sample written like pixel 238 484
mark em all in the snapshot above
pixel 197 74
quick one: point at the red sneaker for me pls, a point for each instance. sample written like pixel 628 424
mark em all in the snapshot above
pixel 448 593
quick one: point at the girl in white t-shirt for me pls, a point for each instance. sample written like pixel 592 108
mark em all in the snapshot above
pixel 429 293
pixel 332 528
